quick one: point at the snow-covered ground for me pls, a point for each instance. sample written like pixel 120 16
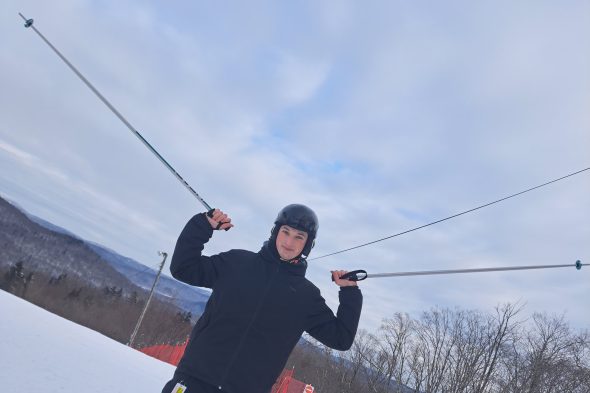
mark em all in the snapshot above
pixel 42 352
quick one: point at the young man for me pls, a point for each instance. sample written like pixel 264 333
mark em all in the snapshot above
pixel 260 305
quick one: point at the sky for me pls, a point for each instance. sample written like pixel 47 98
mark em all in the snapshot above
pixel 380 115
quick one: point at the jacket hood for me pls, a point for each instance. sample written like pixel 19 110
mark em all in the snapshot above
pixel 270 254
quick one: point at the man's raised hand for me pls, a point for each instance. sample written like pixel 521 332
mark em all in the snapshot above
pixel 219 220
pixel 336 274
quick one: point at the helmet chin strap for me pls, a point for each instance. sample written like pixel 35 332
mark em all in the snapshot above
pixel 292 260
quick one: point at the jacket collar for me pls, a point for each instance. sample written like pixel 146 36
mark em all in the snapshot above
pixel 270 254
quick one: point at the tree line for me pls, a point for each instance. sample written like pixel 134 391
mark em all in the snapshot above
pixel 454 351
pixel 109 309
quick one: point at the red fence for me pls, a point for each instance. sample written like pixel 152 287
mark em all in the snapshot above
pixel 167 353
pixel 172 354
pixel 287 384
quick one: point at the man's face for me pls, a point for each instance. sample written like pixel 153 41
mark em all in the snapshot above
pixel 290 242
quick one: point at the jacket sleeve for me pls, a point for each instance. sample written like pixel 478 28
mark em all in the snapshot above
pixel 188 265
pixel 338 331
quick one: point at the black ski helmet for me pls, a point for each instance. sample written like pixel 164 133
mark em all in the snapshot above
pixel 299 217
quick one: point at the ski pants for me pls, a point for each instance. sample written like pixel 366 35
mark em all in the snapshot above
pixel 193 385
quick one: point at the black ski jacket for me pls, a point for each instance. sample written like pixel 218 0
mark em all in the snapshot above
pixel 258 310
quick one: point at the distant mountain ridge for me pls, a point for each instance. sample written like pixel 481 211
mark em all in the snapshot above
pixel 189 298
pixel 43 245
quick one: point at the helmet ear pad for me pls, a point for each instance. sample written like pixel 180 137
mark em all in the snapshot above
pixel 308 246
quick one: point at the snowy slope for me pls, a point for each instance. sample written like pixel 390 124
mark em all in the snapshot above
pixel 42 352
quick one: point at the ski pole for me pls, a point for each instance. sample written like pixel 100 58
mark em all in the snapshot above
pixel 359 275
pixel 29 23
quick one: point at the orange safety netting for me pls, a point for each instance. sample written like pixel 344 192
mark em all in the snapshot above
pixel 173 353
pixel 167 353
pixel 287 384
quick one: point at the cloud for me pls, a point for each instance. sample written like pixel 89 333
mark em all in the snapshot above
pixel 34 163
pixel 22 156
pixel 299 79
pixel 382 117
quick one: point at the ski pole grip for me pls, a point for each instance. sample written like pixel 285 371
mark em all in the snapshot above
pixel 219 224
pixel 355 275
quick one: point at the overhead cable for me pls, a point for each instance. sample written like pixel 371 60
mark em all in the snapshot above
pixel 453 216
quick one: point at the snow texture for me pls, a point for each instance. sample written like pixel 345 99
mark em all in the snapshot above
pixel 42 352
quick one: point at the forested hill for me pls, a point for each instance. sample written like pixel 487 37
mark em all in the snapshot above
pixel 87 282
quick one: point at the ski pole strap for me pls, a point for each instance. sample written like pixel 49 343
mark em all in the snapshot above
pixel 219 224
pixel 355 275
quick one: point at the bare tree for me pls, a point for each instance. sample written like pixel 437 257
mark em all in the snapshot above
pixel 395 341
pixel 435 345
pixel 457 351
pixel 547 357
